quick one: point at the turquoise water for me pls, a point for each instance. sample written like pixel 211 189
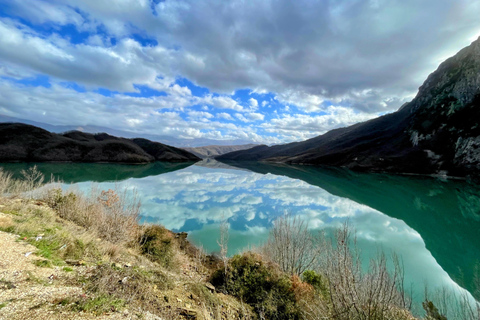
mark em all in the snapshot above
pixel 432 224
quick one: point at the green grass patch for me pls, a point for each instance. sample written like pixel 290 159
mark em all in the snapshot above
pixel 12 212
pixel 9 229
pixel 43 263
pixel 98 305
pixel 3 305
pixel 67 269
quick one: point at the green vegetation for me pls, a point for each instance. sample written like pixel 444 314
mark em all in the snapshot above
pixel 97 305
pixel 156 243
pixel 260 284
pixel 316 281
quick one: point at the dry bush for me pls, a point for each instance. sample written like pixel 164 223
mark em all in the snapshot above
pixel 354 294
pixel 32 179
pixel 292 246
pixel 112 215
pixel 447 304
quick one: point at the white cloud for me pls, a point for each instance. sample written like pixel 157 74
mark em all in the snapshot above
pixel 224 115
pixel 323 51
pixel 200 115
pixel 222 102
pixel 300 127
pixel 250 117
pixel 253 103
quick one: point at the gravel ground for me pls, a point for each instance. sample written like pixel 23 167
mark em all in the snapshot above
pixel 28 291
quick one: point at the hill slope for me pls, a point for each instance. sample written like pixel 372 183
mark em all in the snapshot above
pixel 437 132
pixel 21 142
pixel 213 151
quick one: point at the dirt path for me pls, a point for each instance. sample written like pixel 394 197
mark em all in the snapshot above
pixel 30 292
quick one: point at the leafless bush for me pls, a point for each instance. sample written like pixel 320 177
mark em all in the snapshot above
pixel 354 294
pixel 32 179
pixel 451 305
pixel 223 243
pixel 345 291
pixel 112 215
pixel 292 246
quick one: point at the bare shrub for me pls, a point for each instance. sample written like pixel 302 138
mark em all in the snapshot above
pixel 292 246
pixel 5 181
pixel 354 294
pixel 445 303
pixel 223 243
pixel 32 179
pixel 112 215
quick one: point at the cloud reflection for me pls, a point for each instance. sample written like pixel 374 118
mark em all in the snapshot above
pixel 197 199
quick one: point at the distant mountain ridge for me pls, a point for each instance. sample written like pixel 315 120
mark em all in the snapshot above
pixel 27 143
pixel 168 140
pixel 438 132
pixel 215 150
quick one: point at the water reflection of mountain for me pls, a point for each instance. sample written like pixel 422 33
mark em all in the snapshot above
pixel 97 172
pixel 445 213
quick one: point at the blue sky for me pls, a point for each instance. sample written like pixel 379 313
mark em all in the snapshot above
pixel 240 71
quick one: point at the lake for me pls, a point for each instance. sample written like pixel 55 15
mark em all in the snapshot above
pixel 432 224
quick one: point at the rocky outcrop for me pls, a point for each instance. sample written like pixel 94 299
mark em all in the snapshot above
pixel 26 143
pixel 436 133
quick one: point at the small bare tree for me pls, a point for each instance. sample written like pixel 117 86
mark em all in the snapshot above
pixel 292 246
pixel 354 294
pixel 223 243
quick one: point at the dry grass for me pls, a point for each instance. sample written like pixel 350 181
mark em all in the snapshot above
pixel 32 179
pixel 112 215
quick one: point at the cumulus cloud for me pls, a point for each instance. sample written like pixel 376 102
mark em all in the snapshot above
pixel 253 103
pixel 222 102
pixel 224 115
pixel 200 115
pixel 302 126
pixel 250 117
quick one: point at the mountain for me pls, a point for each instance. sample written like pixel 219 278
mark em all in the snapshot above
pixel 216 150
pixel 26 143
pixel 436 133
pixel 173 141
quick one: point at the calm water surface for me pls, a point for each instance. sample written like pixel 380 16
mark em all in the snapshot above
pixel 432 224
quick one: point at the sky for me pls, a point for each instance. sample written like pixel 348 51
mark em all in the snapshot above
pixel 271 71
